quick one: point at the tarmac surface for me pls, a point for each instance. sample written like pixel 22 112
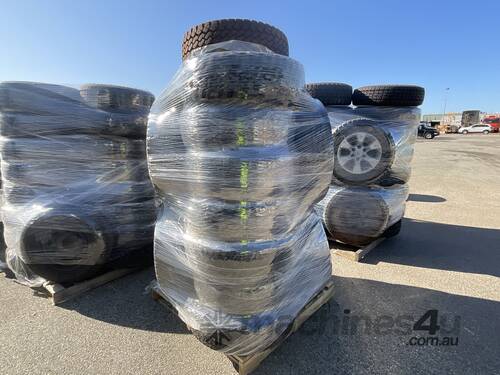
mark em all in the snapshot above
pixel 446 258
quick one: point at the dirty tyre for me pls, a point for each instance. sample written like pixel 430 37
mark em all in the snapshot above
pixel 65 236
pixel 219 31
pixel 331 93
pixel 356 216
pixel 389 95
pixel 363 152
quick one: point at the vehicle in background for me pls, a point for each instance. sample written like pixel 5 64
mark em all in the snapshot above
pixel 452 128
pixel 494 122
pixel 426 131
pixel 469 118
pixel 476 128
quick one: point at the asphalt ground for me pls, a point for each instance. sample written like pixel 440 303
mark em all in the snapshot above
pixel 446 259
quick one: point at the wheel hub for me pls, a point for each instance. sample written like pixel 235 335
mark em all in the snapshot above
pixel 359 153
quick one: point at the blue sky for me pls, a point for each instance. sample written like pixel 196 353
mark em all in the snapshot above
pixel 436 44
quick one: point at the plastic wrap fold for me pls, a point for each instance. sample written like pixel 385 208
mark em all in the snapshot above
pixel 239 154
pixel 77 194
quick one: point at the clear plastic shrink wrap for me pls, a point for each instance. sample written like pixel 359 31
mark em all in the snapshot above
pixel 359 215
pixel 76 189
pixel 373 149
pixel 240 154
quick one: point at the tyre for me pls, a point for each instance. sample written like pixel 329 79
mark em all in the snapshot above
pixel 76 148
pixel 39 98
pixel 363 152
pixel 238 221
pixel 389 95
pixel 429 135
pixel 331 93
pixel 465 132
pixel 116 98
pixel 393 230
pixel 240 279
pixel 83 121
pixel 259 78
pixel 486 131
pixel 62 247
pixel 356 216
pixel 218 31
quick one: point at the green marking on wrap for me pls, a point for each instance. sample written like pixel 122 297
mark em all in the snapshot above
pixel 244 176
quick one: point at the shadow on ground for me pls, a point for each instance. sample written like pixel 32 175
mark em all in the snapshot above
pixel 331 342
pixel 442 246
pixel 425 198
pixel 126 302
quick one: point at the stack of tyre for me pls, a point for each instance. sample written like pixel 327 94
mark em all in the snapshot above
pixel 373 149
pixel 240 154
pixel 76 188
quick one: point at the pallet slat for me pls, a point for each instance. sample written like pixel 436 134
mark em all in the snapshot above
pixel 354 253
pixel 59 293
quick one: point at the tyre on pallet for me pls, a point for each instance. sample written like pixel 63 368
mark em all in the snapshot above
pixel 258 78
pixel 331 93
pixel 223 30
pixel 112 98
pixel 39 98
pixel 62 247
pixel 363 152
pixel 389 96
pixel 356 216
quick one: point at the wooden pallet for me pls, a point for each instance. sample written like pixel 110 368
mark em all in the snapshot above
pixel 60 293
pixel 246 364
pixel 352 252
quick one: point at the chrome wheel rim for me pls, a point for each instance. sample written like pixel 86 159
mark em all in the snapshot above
pixel 359 153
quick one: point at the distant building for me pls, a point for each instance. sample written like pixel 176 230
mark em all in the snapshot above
pixel 452 118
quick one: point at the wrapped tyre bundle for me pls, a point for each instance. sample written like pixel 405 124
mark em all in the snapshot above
pixel 240 155
pixel 77 193
pixel 373 148
pixel 238 298
pixel 394 110
pixel 87 111
pixel 359 215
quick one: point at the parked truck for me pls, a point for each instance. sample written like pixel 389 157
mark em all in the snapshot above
pixel 493 121
pixel 469 118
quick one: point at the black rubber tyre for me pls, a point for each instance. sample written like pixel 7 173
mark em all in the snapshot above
pixel 40 99
pixel 389 95
pixel 217 31
pixel 261 77
pixel 65 236
pixel 429 136
pixel 363 152
pixel 486 132
pixel 465 132
pixel 240 282
pixel 331 93
pixel 116 98
pixel 356 216
pixel 393 230
pixel 74 148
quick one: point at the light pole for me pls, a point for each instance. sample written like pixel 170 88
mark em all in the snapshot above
pixel 445 100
